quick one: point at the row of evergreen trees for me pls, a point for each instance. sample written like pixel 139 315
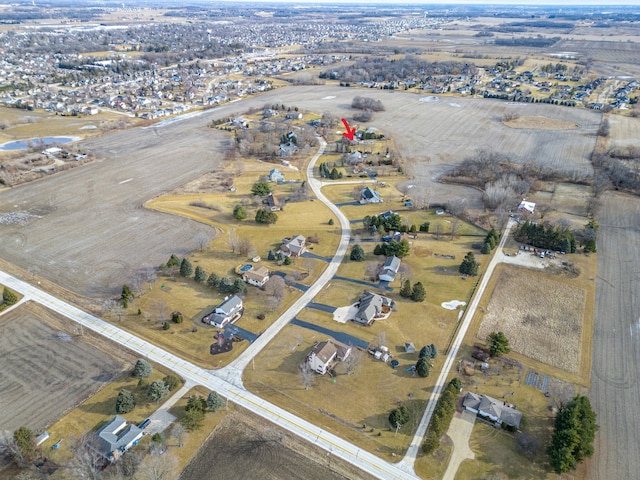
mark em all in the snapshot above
pixel 548 236
pixel 442 415
pixel 389 222
pixel 491 241
pixel 223 284
pixel 416 292
pixel 333 174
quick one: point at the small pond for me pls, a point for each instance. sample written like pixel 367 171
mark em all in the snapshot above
pixel 40 141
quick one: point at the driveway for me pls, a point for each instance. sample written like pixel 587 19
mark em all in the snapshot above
pixel 459 432
pixel 339 336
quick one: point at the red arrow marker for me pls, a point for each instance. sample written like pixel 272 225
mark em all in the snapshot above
pixel 350 131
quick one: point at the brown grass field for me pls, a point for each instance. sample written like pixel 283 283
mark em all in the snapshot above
pixel 541 319
pixel 47 367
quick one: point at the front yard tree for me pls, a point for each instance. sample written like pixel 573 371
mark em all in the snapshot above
pixel 157 390
pixel 172 382
pixel 271 256
pixel 24 439
pixel 196 402
pixel 498 344
pixel 405 291
pixel 418 293
pixel 399 416
pixel 239 287
pixel 186 269
pixel 125 402
pixel 573 435
pixel 174 261
pixel 214 402
pixel 200 275
pixel 239 212
pixel 261 188
pixel 142 369
pixel 423 367
pixel 357 254
pixel 469 266
pixel 192 419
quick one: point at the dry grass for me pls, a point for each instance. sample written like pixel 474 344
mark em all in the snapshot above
pixel 541 319
pixel 540 123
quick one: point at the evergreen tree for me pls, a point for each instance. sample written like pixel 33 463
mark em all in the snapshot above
pixel 157 391
pixel 172 382
pixel 434 351
pixel 423 367
pixel 469 266
pixel 142 369
pixel 357 254
pixel 239 287
pixel 213 281
pixel 418 293
pixel 200 275
pixel 214 402
pixel 266 216
pixel 9 297
pixel 239 212
pixel 225 285
pixel 261 188
pixel 330 221
pixel 378 249
pixel 192 420
pixel 126 296
pixel 425 352
pixel 196 402
pixel 498 344
pixel 174 261
pixel 405 291
pixel 24 439
pixel 271 255
pixel 186 269
pixel 399 416
pixel 486 248
pixel 125 402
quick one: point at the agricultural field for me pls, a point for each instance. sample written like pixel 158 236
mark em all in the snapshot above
pixel 32 339
pixel 244 446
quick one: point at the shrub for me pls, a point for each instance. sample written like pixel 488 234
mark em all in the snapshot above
pixel 166 325
pixel 9 297
pixel 142 369
pixel 172 382
pixel 176 317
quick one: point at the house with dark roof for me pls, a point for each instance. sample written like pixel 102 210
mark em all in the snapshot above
pixel 293 246
pixel 272 202
pixel 324 355
pixel 229 311
pixel 116 437
pixel 373 307
pixel 496 411
pixel 390 269
pixel 369 195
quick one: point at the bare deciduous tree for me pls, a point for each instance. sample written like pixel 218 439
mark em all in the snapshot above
pixel 160 308
pixel 158 466
pixel 87 462
pixel 233 240
pixel 202 240
pixel 178 432
pixel 245 247
pixel 354 360
pixel 306 375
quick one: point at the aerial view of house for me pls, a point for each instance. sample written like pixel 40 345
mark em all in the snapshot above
pixel 116 437
pixel 373 307
pixel 293 246
pixel 389 269
pixel 228 311
pixel 324 355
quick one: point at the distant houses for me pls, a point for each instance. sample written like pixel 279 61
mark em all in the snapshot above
pixel 390 269
pixel 229 311
pixel 324 355
pixel 368 195
pixel 373 307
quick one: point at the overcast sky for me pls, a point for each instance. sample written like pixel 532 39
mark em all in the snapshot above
pixel 602 3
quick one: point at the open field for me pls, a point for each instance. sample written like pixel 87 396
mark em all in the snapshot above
pixel 244 446
pixel 47 368
pixel 616 357
pixel 541 319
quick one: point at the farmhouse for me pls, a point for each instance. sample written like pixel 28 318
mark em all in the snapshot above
pixel 116 437
pixel 228 311
pixel 368 195
pixel 256 276
pixel 325 354
pixel 272 202
pixel 293 246
pixel 373 307
pixel 496 411
pixel 527 206
pixel 389 269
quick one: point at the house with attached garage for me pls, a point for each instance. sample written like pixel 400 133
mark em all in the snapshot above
pixel 373 307
pixel 293 246
pixel 324 355
pixel 390 269
pixel 492 409
pixel 116 437
pixel 369 195
pixel 256 276
pixel 229 311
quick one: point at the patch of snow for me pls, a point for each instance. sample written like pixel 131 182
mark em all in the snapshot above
pixel 455 105
pixel 453 304
pixel 429 99
pixel 330 97
pixel 88 127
